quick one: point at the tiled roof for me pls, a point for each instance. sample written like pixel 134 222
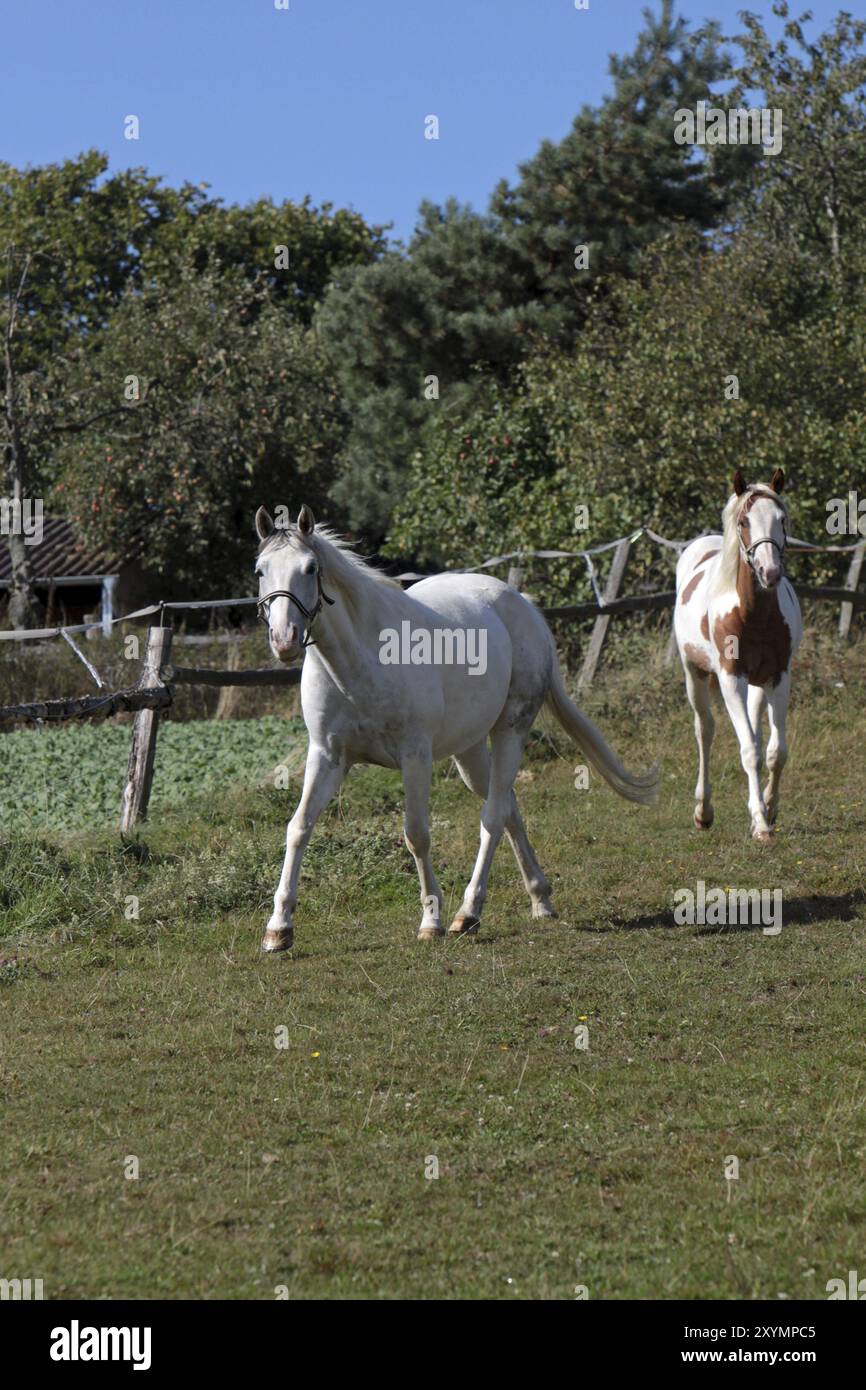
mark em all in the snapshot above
pixel 60 553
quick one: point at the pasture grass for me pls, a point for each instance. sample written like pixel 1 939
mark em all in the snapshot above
pixel 304 1165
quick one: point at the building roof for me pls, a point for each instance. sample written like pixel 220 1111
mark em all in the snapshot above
pixel 61 555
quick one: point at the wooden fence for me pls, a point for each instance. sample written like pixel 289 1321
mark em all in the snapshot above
pixel 154 690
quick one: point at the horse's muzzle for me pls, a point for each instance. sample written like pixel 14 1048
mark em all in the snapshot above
pixel 286 646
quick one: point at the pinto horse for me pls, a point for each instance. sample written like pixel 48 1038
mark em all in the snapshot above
pixel 363 705
pixel 737 624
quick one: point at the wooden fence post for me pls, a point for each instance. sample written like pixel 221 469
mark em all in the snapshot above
pixel 599 631
pixel 142 750
pixel 515 577
pixel 847 609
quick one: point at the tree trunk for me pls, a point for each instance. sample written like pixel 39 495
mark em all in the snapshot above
pixel 25 610
pixel 24 607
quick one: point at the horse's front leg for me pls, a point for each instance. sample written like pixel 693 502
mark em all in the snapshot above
pixel 323 775
pixel 417 768
pixel 777 747
pixel 735 692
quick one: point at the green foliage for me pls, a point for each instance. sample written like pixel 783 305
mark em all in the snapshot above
pixel 111 277
pixel 618 179
pixel 814 194
pixel 86 232
pixel 319 244
pixel 471 289
pixel 636 422
pixel 69 777
pixel 236 409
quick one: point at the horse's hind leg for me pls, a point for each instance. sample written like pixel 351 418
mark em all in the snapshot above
pixel 777 747
pixel 505 760
pixel 756 702
pixel 698 690
pixel 417 771
pixel 474 767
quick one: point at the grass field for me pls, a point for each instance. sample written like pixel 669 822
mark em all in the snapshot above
pixel 303 1165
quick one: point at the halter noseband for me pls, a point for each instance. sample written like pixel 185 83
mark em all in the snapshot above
pixel 309 614
pixel 749 551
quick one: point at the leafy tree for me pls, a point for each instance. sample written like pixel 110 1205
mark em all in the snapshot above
pixel 74 245
pixel 391 327
pixel 223 403
pixel 295 249
pixel 707 361
pixel 69 244
pixel 814 192
pixel 618 179
pixel 471 289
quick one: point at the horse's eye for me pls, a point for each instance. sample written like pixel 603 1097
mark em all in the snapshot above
pixel 310 567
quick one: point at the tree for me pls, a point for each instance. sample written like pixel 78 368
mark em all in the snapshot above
pixel 69 245
pixel 618 180
pixel 709 359
pixel 405 333
pixel 294 249
pixel 812 194
pixel 75 246
pixel 211 402
pixel 471 289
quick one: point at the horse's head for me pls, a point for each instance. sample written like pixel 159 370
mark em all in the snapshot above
pixel 290 583
pixel 761 520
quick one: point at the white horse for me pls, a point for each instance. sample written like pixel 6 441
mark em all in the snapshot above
pixel 362 703
pixel 737 622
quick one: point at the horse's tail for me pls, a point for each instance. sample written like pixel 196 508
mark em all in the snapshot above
pixel 591 742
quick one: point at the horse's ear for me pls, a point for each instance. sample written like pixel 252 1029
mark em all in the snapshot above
pixel 777 482
pixel 264 524
pixel 740 483
pixel 306 521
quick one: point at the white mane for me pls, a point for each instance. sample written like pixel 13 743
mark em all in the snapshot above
pixel 729 558
pixel 341 567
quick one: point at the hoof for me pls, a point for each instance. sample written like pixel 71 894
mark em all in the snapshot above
pixel 764 837
pixel 704 822
pixel 280 940
pixel 463 924
pixel 430 933
pixel 543 910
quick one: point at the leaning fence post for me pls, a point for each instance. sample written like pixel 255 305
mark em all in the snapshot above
pixel 847 609
pixel 599 631
pixel 142 750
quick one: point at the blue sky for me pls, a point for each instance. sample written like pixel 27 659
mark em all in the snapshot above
pixel 327 98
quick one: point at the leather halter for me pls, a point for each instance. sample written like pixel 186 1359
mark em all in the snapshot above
pixel 749 551
pixel 309 614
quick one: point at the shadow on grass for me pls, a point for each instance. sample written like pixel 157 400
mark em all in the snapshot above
pixel 845 907
pixel 828 907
